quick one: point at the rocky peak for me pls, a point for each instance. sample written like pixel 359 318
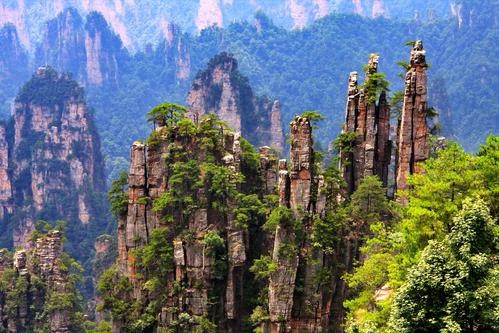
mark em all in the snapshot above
pixel 103 49
pixel 56 169
pixel 13 59
pixel 174 51
pixel 221 89
pixel 412 133
pixel 366 150
pixel 38 278
pixel 301 163
pixel 63 43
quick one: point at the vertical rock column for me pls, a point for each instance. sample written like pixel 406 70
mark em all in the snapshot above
pixel 48 252
pixel 236 244
pixel 412 133
pixel 291 310
pixel 5 185
pixel 282 280
pixel 132 231
pixel 383 142
pixel 276 134
pixel 301 160
pixel 369 152
pixel 352 109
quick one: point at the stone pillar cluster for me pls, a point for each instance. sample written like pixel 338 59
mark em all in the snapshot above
pixel 299 188
pixel 369 152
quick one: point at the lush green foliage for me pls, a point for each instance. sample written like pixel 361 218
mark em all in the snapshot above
pixel 166 114
pixel 454 286
pixel 420 236
pixel 50 89
pixel 118 195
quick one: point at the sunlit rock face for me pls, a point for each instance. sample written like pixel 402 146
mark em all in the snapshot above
pixel 53 169
pixel 412 133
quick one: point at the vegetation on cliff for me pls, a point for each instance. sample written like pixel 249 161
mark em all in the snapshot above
pixel 412 276
pixel 405 248
pixel 39 286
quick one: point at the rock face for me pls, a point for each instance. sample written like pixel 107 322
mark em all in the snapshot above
pixel 13 66
pixel 5 184
pixel 298 262
pixel 412 132
pixel 211 276
pixel 88 49
pixel 369 152
pixel 50 164
pixel 36 276
pixel 174 51
pixel 222 90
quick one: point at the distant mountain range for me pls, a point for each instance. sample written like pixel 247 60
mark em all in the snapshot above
pixel 139 22
pixel 304 68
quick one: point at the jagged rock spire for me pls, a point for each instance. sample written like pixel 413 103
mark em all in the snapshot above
pixel 412 133
pixel 369 152
pixel 223 90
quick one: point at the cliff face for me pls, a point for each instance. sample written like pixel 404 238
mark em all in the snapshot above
pixel 36 281
pixel 5 184
pixel 208 242
pixel 301 190
pixel 367 119
pixel 50 163
pixel 222 90
pixel 412 133
pixel 13 58
pixel 88 49
pixel 174 52
pixel 13 66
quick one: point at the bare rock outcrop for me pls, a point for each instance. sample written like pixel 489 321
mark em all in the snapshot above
pixel 412 132
pixel 367 118
pixel 88 48
pixel 175 52
pixel 5 184
pixel 221 89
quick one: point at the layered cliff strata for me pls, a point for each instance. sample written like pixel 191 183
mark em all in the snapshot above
pixel 38 280
pixel 298 262
pixel 87 48
pixel 367 118
pixel 221 89
pixel 50 162
pixel 412 132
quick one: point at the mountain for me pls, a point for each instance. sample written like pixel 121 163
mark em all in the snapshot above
pixel 52 168
pixel 222 90
pixel 138 24
pixel 213 236
pixel 120 84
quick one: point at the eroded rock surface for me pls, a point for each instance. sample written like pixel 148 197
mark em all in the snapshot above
pixel 412 133
pixel 221 89
pixel 368 116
